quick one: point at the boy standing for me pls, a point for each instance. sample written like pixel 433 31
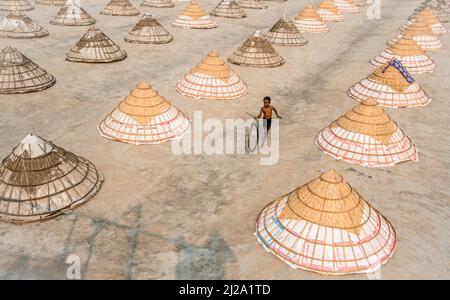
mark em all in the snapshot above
pixel 266 112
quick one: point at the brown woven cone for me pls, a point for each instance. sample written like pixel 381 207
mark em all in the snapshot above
pixel 148 31
pixel 120 8
pixel 253 4
pixel 229 9
pixel 18 25
pixel 158 3
pixel 51 2
pixel 72 15
pixel 20 5
pixel 285 33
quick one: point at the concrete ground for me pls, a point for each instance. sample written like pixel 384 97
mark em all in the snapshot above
pixel 166 216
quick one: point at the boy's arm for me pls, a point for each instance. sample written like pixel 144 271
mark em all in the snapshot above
pixel 260 114
pixel 276 112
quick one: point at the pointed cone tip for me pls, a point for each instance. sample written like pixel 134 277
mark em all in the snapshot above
pixel 331 176
pixel 143 85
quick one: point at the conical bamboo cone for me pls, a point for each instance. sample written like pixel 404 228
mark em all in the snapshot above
pixel 158 3
pixel 422 34
pixel 253 4
pixel 18 74
pixel 367 136
pixel 20 5
pixel 17 25
pixel 346 6
pixel 51 2
pixel 40 181
pixel 213 79
pixel 428 16
pixel 229 9
pixel 148 31
pixel 308 20
pixel 326 226
pixel 285 33
pixel 194 17
pixel 144 117
pixel 391 86
pixel 120 8
pixel 72 15
pixel 329 12
pixel 256 52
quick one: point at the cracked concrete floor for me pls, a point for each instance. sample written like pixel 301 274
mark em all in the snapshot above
pixel 166 216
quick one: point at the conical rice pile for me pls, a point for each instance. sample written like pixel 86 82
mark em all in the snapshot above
pixel 346 6
pixel 17 25
pixel 329 12
pixel 229 9
pixel 158 3
pixel 406 50
pixel 39 181
pixel 194 17
pixel 213 79
pixel 120 8
pixel 95 47
pixel 308 20
pixel 285 33
pixel 391 86
pixel 428 16
pixel 18 74
pixel 326 226
pixel 51 2
pixel 438 8
pixel 256 52
pixel 367 136
pixel 148 31
pixel 20 5
pixel 72 15
pixel 144 117
pixel 253 4
pixel 422 34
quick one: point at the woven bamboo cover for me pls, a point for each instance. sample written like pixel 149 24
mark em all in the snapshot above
pixel 17 25
pixel 95 47
pixel 346 6
pixel 120 8
pixel 308 20
pixel 256 52
pixel 18 74
pixel 391 86
pixel 51 2
pixel 144 117
pixel 329 12
pixel 148 31
pixel 194 17
pixel 229 9
pixel 439 10
pixel 253 4
pixel 409 54
pixel 158 3
pixel 367 136
pixel 360 3
pixel 285 33
pixel 21 5
pixel 213 79
pixel 422 34
pixel 72 15
pixel 39 181
pixel 326 226
pixel 428 16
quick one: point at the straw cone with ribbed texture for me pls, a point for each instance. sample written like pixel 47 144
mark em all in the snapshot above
pixel 406 50
pixel 440 10
pixel 148 31
pixel 213 79
pixel 51 2
pixel 39 181
pixel 308 20
pixel 95 47
pixel 253 4
pixel 20 5
pixel 144 117
pixel 72 15
pixel 422 34
pixel 256 51
pixel 428 16
pixel 391 86
pixel 346 6
pixel 326 226
pixel 17 25
pixel 120 8
pixel 229 9
pixel 367 136
pixel 194 17
pixel 158 3
pixel 18 74
pixel 285 33
pixel 329 12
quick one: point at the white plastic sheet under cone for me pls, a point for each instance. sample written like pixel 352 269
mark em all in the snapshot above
pixel 229 9
pixel 310 21
pixel 326 226
pixel 120 8
pixel 253 4
pixel 158 3
pixel 194 17
pixel 144 117
pixel 329 12
pixel 17 25
pixel 148 31
pixel 285 33
pixel 40 181
pixel 18 74
pixel 346 6
pixel 212 79
pixel 72 15
pixel 366 136
pixel 391 86
pixel 20 5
